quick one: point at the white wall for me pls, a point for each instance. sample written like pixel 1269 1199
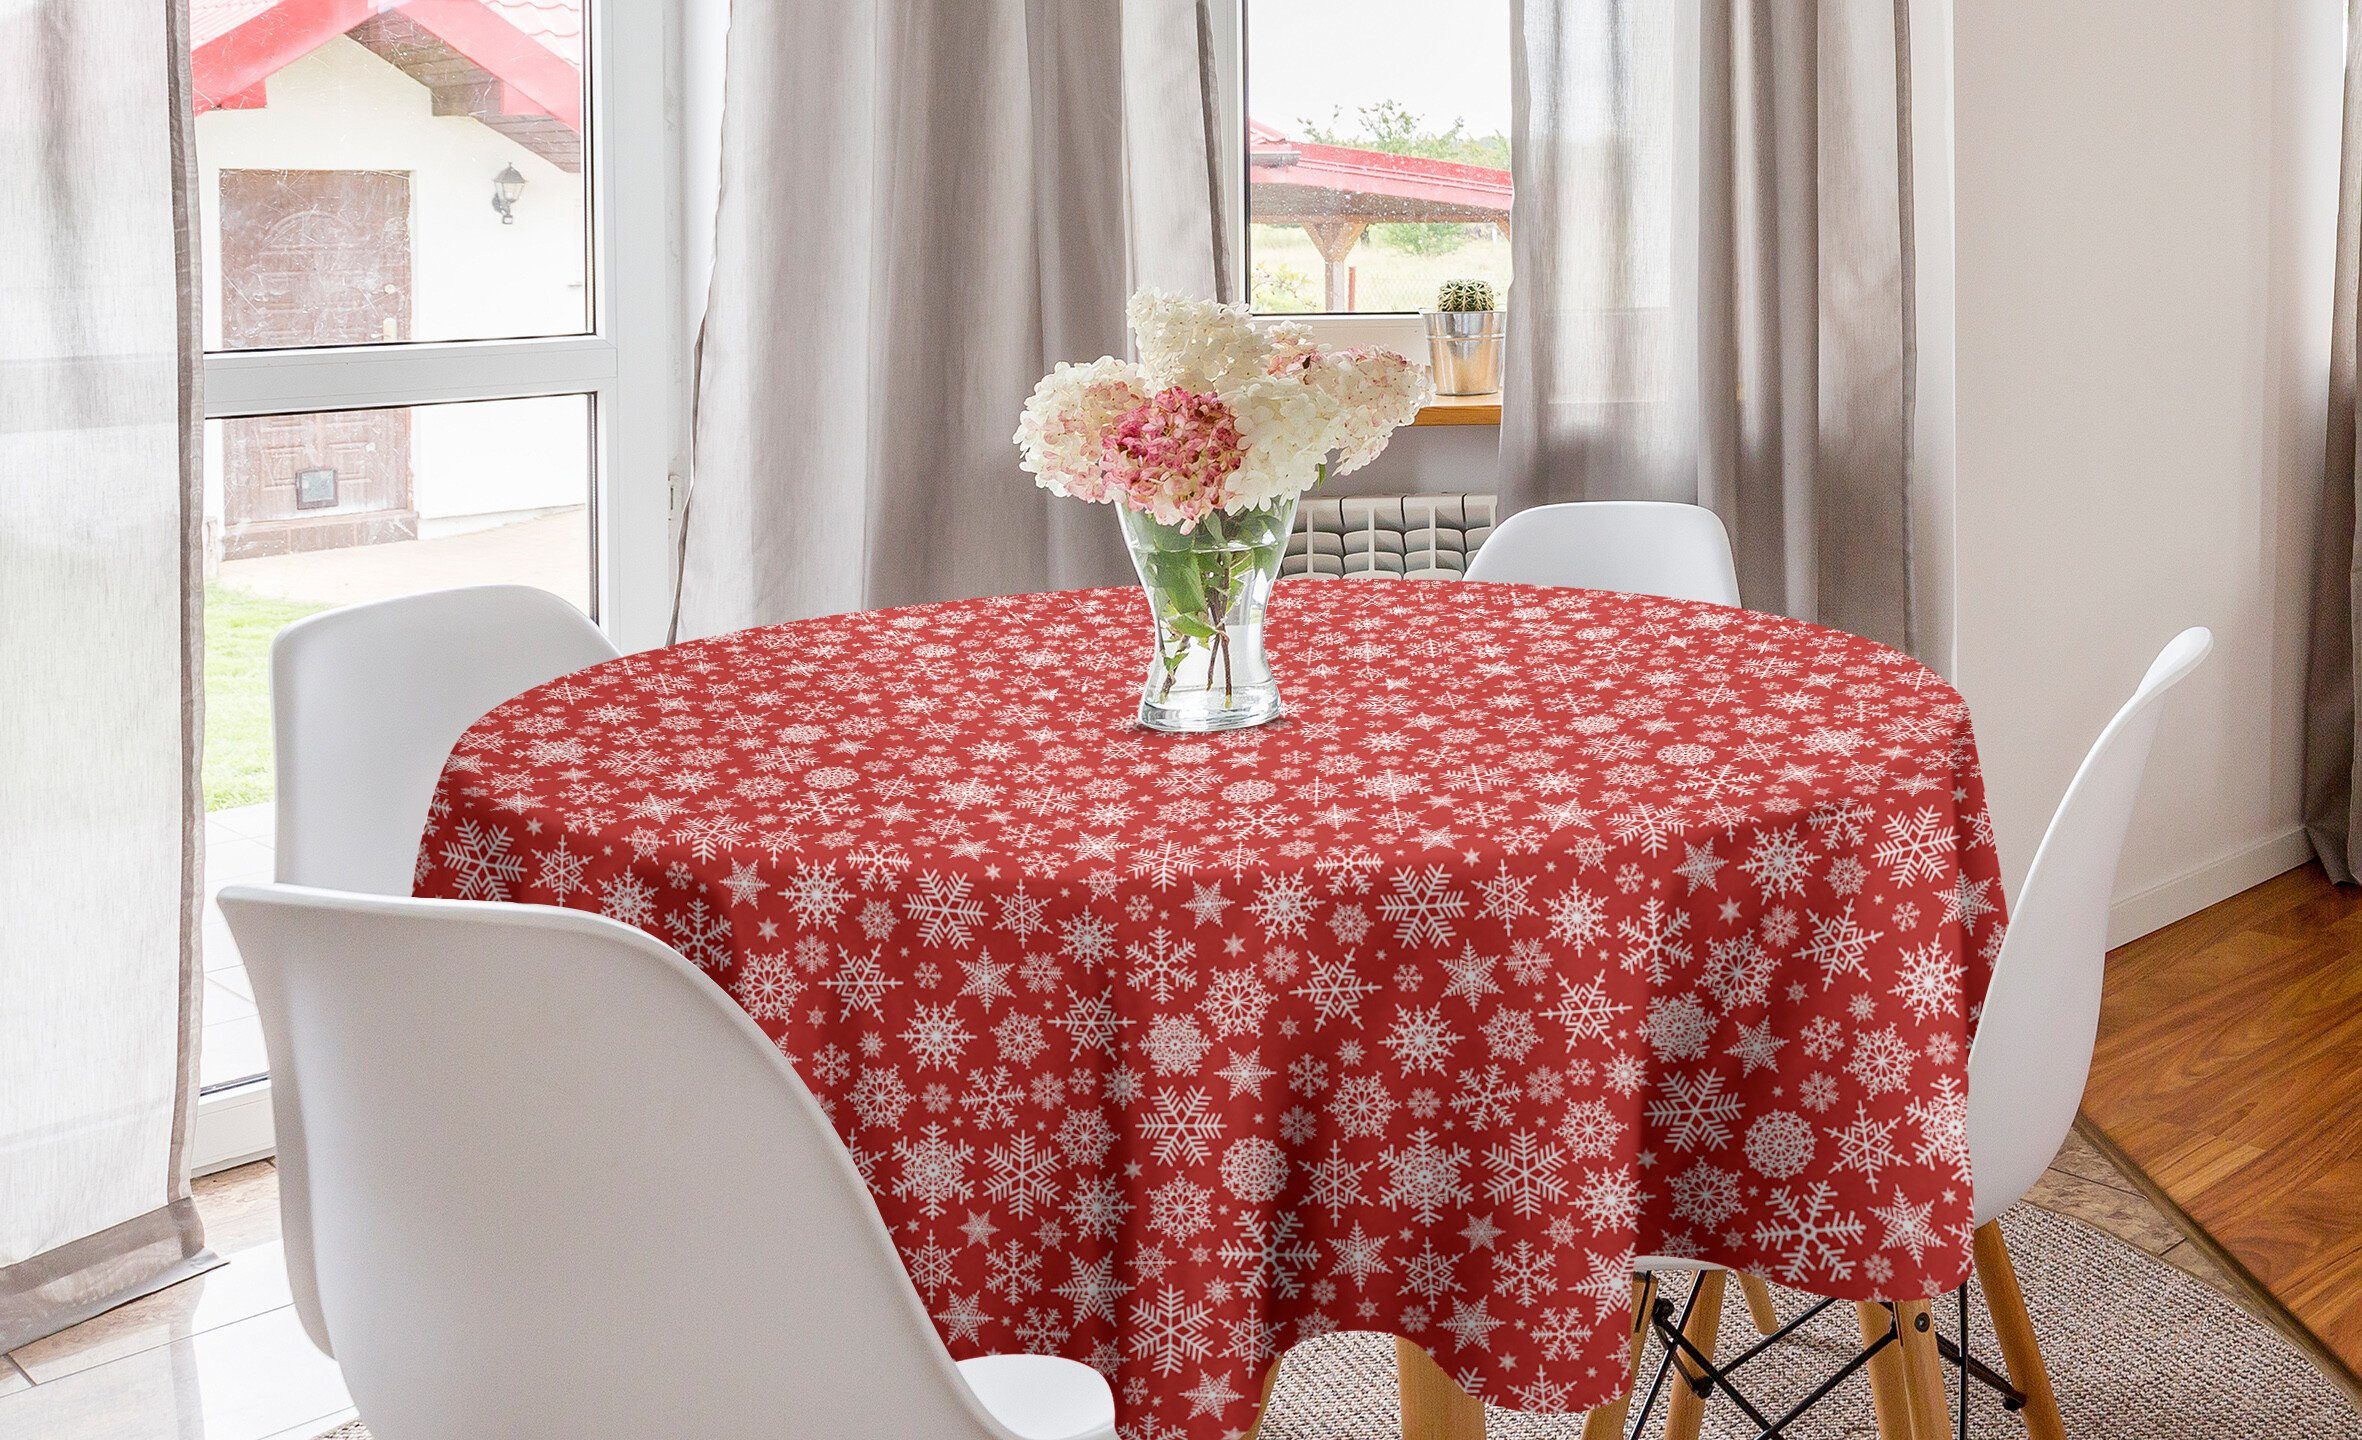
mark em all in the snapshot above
pixel 2144 211
pixel 343 108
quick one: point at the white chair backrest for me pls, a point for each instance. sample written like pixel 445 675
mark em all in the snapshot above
pixel 2042 1013
pixel 367 702
pixel 1646 547
pixel 554 1183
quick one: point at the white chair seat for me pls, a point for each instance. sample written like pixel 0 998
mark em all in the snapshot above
pixel 1043 1397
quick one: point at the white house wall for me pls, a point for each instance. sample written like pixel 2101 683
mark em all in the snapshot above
pixel 343 108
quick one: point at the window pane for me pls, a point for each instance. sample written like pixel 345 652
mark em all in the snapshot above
pixel 1377 151
pixel 416 174
pixel 304 512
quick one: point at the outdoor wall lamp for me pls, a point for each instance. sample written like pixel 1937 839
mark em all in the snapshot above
pixel 506 187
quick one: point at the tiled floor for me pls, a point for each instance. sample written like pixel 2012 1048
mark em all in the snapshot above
pixel 237 851
pixel 222 1357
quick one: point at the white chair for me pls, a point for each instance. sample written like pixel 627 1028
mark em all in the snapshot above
pixel 551 1182
pixel 1647 547
pixel 2027 1066
pixel 367 701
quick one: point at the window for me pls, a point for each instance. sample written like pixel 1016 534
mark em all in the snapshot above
pixel 1376 152
pixel 439 333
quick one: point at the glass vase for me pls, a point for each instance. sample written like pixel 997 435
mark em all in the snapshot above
pixel 1207 589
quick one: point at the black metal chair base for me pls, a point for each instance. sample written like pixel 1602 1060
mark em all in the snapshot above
pixel 1710 1376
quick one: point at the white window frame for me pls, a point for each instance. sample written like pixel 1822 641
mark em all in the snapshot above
pixel 630 363
pixel 627 362
pixel 1402 331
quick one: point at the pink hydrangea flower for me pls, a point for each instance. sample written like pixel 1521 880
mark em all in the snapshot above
pixel 1172 454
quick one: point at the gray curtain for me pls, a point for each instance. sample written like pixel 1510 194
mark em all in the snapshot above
pixel 99 591
pixel 1712 299
pixel 2332 822
pixel 924 207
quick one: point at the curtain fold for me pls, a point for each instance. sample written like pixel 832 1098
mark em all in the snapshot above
pixel 1713 283
pixel 100 816
pixel 2332 821
pixel 922 209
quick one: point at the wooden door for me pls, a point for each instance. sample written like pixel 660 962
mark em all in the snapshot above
pixel 308 258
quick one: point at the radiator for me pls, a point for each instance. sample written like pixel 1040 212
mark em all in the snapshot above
pixel 1388 537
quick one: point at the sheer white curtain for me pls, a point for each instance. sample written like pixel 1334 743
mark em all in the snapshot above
pixel 98 663
pixel 923 207
pixel 1713 289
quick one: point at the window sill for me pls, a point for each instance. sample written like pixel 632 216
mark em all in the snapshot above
pixel 1461 410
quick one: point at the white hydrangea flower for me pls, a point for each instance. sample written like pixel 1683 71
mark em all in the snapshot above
pixel 1198 345
pixel 1285 425
pixel 1063 431
pixel 1371 393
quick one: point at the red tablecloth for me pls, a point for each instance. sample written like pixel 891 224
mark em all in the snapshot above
pixel 1550 926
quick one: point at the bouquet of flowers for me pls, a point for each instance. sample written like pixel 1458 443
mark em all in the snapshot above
pixel 1204 445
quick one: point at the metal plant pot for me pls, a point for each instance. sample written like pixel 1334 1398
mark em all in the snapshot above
pixel 1465 347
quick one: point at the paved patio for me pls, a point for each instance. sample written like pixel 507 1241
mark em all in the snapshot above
pixel 550 551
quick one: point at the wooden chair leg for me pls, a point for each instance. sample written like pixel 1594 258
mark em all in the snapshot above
pixel 1759 1304
pixel 2015 1329
pixel 1434 1407
pixel 1889 1391
pixel 1607 1422
pixel 1923 1370
pixel 1685 1412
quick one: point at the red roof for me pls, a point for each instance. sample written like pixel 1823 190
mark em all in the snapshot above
pixel 1408 186
pixel 533 47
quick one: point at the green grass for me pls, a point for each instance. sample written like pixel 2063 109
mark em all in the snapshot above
pixel 238 631
pixel 1387 279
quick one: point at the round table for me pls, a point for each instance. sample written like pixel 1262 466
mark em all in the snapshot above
pixel 1549 927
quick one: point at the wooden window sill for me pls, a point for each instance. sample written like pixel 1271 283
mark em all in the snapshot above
pixel 1461 410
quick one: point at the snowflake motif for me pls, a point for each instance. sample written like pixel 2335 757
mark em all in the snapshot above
pixel 1929 984
pixel 1908 1226
pixel 1162 965
pixel 1525 1174
pixel 561 872
pixel 1358 1256
pixel 1706 1194
pixel 1524 1272
pixel 1692 1111
pixel 934 1171
pixel 1586 1010
pixel 1092 1289
pixel 1283 906
pixel 1270 1250
pixel 1814 1238
pixel 1183 1126
pixel 1021 1175
pixel 861 984
pixel 1423 906
pixel 1779 862
pixel 1779 1144
pixel 1424 1177
pixel 1578 918
pixel 946 914
pixel 1420 1039
pixel 1919 846
pixel 1169 1331
pixel 1839 946
pixel 1335 991
pixel 481 867
pixel 697 932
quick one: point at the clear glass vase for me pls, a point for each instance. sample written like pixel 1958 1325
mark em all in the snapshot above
pixel 1207 589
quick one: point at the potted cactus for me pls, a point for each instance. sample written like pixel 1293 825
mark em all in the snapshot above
pixel 1466 333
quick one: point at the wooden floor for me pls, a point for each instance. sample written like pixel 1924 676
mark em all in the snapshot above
pixel 2228 1081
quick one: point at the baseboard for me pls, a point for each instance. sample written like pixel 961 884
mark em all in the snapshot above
pixel 2193 890
pixel 233 1128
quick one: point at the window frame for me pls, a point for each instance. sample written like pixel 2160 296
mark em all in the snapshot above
pixel 1403 331
pixel 630 362
pixel 626 360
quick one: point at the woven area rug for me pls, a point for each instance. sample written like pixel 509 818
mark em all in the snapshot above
pixel 2137 1349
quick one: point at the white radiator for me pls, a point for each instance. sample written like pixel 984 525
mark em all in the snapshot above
pixel 1388 537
